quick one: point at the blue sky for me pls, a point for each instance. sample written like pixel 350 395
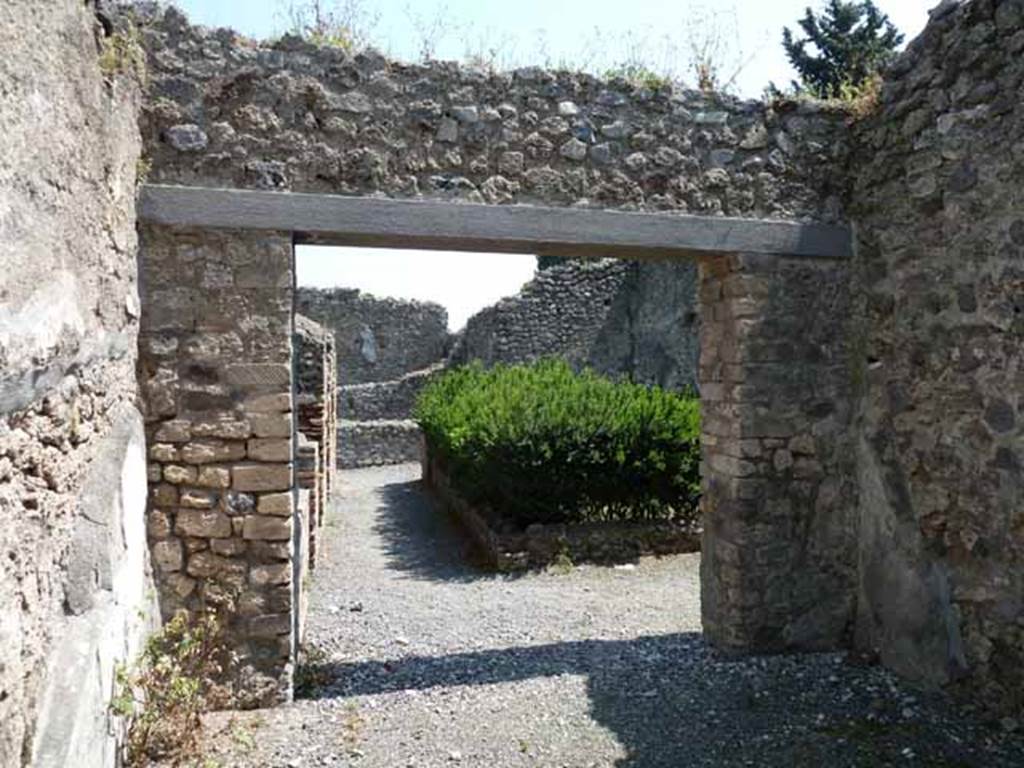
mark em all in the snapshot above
pixel 597 34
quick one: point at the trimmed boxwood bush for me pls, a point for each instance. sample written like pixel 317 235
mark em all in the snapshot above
pixel 542 444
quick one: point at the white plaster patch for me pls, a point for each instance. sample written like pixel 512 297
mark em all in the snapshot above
pixel 52 310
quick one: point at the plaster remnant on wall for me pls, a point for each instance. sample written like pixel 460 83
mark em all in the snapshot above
pixel 74 569
pixel 368 344
pixel 378 339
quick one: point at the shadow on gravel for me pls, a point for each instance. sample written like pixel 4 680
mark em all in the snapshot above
pixel 671 702
pixel 422 541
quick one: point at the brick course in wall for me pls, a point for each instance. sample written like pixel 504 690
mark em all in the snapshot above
pixel 316 387
pixel 777 563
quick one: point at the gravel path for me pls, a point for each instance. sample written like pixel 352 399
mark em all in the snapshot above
pixel 425 661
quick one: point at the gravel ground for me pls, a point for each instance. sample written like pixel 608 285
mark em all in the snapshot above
pixel 422 660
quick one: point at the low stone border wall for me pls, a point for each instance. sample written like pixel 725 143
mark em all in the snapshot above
pixel 540 545
pixel 384 399
pixel 373 443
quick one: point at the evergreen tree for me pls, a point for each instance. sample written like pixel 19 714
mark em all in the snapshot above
pixel 854 40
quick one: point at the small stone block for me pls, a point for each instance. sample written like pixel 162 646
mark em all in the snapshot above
pixel 180 584
pixel 177 431
pixel 163 452
pixel 271 425
pixel 269 551
pixel 194 499
pixel 228 547
pixel 205 564
pixel 802 444
pixel 165 495
pixel 205 523
pixel 270 575
pixel 214 477
pixel 240 503
pixel 227 430
pixel 270 449
pixel 267 528
pixel 262 477
pixel 279 504
pixel 209 451
pixel 167 555
pixel 179 475
pixel 158 524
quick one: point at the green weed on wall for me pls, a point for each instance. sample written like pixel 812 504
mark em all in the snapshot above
pixel 543 444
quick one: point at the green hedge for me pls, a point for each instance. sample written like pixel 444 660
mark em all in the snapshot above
pixel 542 444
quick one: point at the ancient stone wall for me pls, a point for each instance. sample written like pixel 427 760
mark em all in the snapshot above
pixel 227 112
pixel 386 348
pixel 623 319
pixel 378 339
pixel 216 375
pixel 377 426
pixel 778 557
pixel 560 312
pixel 936 201
pixel 74 571
pixel 939 203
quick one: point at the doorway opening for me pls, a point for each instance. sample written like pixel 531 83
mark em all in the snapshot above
pixel 404 584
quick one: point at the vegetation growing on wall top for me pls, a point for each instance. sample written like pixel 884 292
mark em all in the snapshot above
pixel 542 444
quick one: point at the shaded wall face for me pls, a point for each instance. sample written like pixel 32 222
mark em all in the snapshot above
pixel 939 202
pixel 215 371
pixel 651 332
pixel 73 556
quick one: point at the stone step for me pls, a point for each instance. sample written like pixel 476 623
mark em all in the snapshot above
pixel 377 442
pixel 390 400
